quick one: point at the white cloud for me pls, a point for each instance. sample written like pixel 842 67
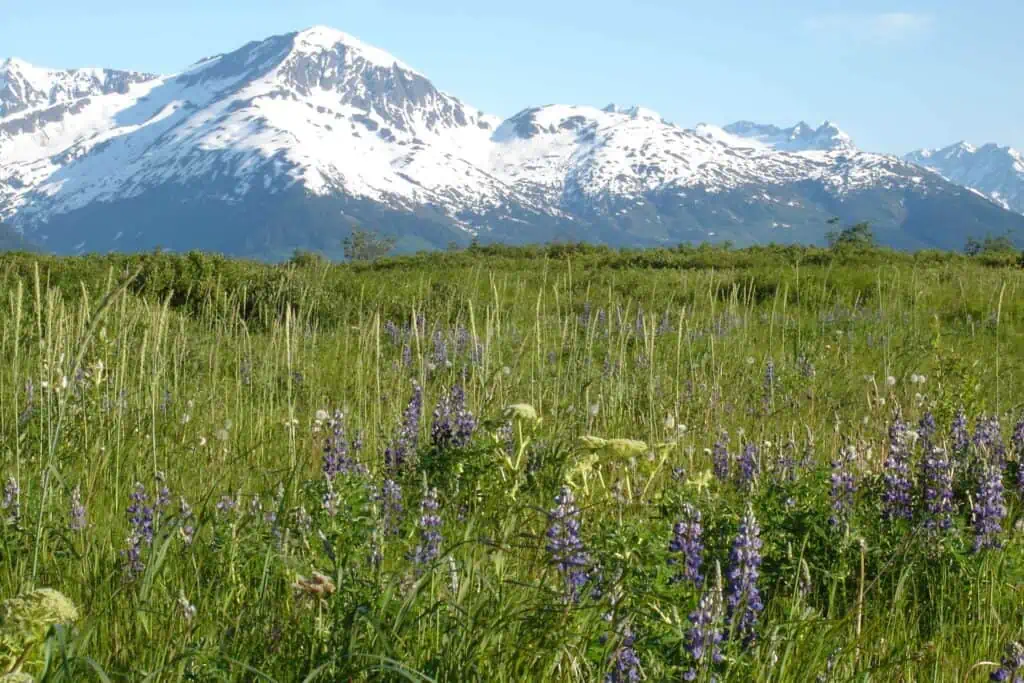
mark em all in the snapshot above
pixel 881 27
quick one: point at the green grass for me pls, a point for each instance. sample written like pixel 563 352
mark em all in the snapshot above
pixel 209 374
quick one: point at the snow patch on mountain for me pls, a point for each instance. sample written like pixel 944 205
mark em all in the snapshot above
pixel 996 172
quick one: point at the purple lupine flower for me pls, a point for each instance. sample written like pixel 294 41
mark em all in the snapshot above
pixel 140 514
pixel 704 637
pixel 926 429
pixel 430 536
pixel 626 665
pixel 163 494
pixel 564 543
pixel 937 482
pixel 453 424
pixel 1018 447
pixel 407 356
pixel 440 354
pixel 338 458
pixel 1018 438
pixel 989 507
pixel 403 446
pixel 391 329
pixel 506 436
pixel 76 513
pixel 1011 668
pixel 749 466
pixel 585 315
pixel 988 438
pixel 390 499
pixel 226 504
pixel 665 324
pixel 896 499
pixel 688 541
pixel 720 456
pixel 461 340
pixel 140 523
pixel 185 520
pixel 844 487
pixel 11 503
pixel 769 377
pixel 744 599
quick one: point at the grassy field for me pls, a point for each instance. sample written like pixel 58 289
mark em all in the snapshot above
pixel 514 465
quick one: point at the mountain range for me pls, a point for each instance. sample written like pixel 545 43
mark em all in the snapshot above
pixel 291 141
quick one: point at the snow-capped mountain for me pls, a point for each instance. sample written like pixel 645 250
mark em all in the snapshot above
pixel 799 138
pixel 23 86
pixel 996 171
pixel 289 141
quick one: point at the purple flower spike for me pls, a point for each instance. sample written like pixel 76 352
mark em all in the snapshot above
pixel 403 447
pixel 989 508
pixel 744 599
pixel 688 542
pixel 430 536
pixel 844 487
pixel 704 638
pixel 564 544
pixel 896 499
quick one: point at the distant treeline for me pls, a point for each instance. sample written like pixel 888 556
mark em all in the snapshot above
pixel 199 283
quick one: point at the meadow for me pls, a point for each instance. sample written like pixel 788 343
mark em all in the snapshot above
pixel 533 464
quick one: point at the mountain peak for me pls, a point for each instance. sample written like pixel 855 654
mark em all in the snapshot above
pixel 317 39
pixel 801 137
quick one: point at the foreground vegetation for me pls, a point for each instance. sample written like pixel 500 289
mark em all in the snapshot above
pixel 566 464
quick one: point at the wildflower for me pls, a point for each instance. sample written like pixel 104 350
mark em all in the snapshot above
pixel 521 411
pixel 163 494
pixel 403 447
pixel 958 433
pixel 749 466
pixel 989 508
pixel 744 599
pixel 430 536
pixel 226 504
pixel 337 458
pixel 688 541
pixel 25 621
pixel 11 503
pixel 564 543
pixel 704 637
pixel 926 429
pixel 937 481
pixel 317 586
pixel 1012 665
pixel 185 517
pixel 890 381
pixel 390 499
pixel 453 424
pixel 720 456
pixel 77 512
pixel 626 663
pixel 988 438
pixel 896 497
pixel 140 522
pixel 440 355
pixel 188 610
pixel 391 329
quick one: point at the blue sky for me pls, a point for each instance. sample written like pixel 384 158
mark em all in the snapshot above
pixel 894 76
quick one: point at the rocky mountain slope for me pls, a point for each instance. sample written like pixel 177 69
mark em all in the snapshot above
pixel 995 171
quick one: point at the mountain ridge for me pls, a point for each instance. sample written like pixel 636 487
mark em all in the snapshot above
pixel 319 126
